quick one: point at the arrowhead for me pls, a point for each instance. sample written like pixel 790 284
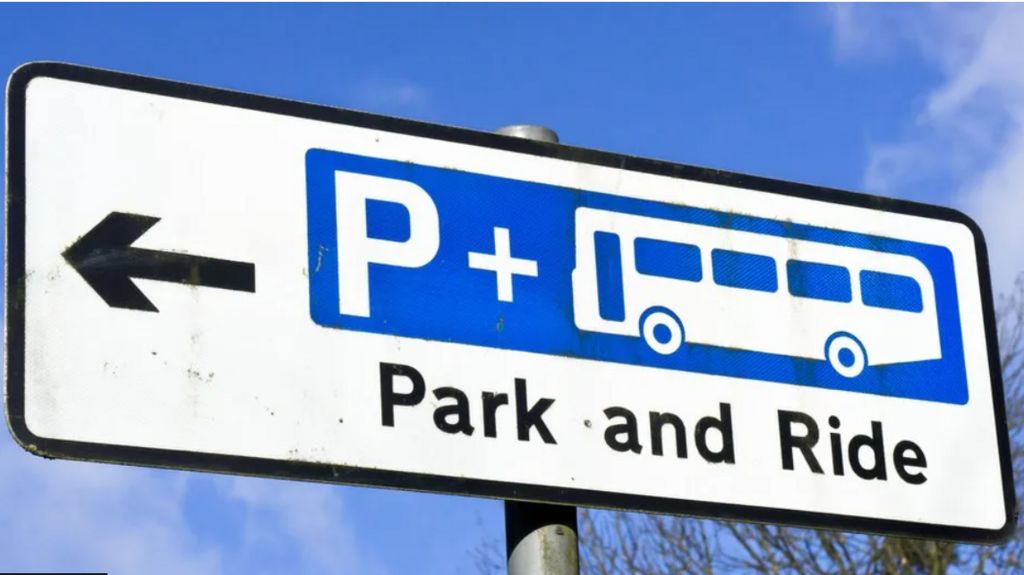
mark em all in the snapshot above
pixel 101 255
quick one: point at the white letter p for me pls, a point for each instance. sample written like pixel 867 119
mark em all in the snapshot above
pixel 356 250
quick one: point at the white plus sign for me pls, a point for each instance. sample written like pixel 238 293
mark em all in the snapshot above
pixel 503 264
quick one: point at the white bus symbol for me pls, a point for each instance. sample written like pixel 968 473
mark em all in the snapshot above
pixel 707 285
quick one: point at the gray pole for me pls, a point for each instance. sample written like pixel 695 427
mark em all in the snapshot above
pixel 530 132
pixel 540 538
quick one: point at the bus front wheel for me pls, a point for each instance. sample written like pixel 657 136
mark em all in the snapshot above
pixel 662 331
pixel 846 354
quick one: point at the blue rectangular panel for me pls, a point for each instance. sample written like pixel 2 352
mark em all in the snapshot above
pixel 743 270
pixel 818 281
pixel 890 291
pixel 667 259
pixel 495 262
pixel 608 252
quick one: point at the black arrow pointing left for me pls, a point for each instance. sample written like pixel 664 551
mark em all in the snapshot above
pixel 106 260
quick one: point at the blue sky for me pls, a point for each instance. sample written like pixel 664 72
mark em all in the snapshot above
pixel 920 102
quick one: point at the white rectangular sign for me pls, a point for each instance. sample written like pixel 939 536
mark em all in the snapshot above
pixel 211 280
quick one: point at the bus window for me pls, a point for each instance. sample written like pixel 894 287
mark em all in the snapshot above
pixel 890 291
pixel 818 281
pixel 667 259
pixel 611 303
pixel 743 270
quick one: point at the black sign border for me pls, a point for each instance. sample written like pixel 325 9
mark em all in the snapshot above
pixel 172 459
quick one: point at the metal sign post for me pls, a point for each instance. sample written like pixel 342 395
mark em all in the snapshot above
pixel 540 538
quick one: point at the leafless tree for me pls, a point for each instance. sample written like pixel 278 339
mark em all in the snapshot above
pixel 615 543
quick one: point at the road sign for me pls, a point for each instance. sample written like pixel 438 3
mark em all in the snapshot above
pixel 212 280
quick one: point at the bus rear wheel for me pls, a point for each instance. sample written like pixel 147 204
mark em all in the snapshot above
pixel 662 331
pixel 846 354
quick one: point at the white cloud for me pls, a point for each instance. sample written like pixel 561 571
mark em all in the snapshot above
pixel 309 520
pixel 968 136
pixel 71 516
pixel 68 516
pixel 394 96
pixel 856 32
pixel 943 34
